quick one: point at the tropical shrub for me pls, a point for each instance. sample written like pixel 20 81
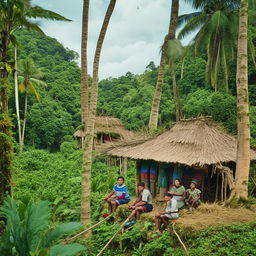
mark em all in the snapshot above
pixel 30 232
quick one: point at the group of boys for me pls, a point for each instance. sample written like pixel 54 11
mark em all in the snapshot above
pixel 174 201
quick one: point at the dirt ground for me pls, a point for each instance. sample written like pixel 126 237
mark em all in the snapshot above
pixel 207 215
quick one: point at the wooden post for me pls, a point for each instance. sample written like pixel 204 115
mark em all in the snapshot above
pixel 217 187
pixel 121 241
pixel 137 177
pixel 125 164
pixel 162 192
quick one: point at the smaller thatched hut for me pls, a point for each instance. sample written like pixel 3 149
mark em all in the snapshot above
pixel 108 129
pixel 194 148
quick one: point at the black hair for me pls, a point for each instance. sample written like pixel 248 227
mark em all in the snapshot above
pixel 141 184
pixel 120 177
pixel 168 194
pixel 178 180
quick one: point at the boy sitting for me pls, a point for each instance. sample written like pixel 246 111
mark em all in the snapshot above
pixel 142 204
pixel 193 196
pixel 121 195
pixel 170 213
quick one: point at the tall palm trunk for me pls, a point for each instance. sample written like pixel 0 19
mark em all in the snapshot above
pixel 17 97
pixel 176 94
pixel 84 63
pixel 24 120
pixel 87 157
pixel 160 78
pixel 174 22
pixel 6 148
pixel 243 121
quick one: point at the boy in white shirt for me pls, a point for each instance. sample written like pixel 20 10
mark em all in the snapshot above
pixel 142 204
pixel 170 212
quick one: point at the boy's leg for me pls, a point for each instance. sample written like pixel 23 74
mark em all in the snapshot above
pixel 110 200
pixel 132 215
pixel 139 210
pixel 114 205
pixel 194 203
pixel 157 223
pixel 109 207
pixel 187 202
pixel 165 220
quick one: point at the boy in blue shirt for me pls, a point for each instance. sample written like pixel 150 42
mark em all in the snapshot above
pixel 119 195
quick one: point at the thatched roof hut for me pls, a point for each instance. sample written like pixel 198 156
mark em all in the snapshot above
pixel 108 125
pixel 195 141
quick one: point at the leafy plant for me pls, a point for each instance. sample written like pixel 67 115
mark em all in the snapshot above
pixel 28 231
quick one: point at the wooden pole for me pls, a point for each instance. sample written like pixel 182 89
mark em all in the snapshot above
pixel 112 238
pixel 86 230
pixel 183 245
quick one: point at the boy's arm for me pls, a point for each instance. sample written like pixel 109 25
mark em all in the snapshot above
pixel 197 198
pixel 140 203
pixel 109 195
pixel 136 202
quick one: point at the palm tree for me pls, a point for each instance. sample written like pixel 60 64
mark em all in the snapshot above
pixel 217 23
pixel 175 50
pixel 243 121
pixel 14 15
pixel 87 156
pixel 160 78
pixel 84 69
pixel 29 80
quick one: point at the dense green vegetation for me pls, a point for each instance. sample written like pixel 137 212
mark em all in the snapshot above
pixel 50 167
pixel 128 97
pixel 55 177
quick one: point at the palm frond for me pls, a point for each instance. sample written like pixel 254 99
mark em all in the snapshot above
pixel 38 82
pixel 33 90
pixel 185 18
pixel 192 25
pixel 31 26
pixel 39 12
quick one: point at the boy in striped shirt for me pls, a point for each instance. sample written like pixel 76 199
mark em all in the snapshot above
pixel 119 195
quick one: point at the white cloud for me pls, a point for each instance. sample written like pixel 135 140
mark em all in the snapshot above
pixel 134 36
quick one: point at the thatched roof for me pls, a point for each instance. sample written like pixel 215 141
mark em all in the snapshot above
pixel 108 125
pixel 197 141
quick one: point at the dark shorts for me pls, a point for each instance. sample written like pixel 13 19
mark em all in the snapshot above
pixel 123 201
pixel 147 207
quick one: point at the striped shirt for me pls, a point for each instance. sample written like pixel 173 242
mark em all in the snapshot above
pixel 121 192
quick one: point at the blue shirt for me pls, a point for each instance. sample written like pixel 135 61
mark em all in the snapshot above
pixel 121 192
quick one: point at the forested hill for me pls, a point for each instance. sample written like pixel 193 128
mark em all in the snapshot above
pixel 128 97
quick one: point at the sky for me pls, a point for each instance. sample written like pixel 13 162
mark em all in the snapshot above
pixel 135 33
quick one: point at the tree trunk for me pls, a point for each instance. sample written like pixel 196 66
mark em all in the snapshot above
pixel 17 97
pixel 6 148
pixel 160 78
pixel 175 92
pixel 182 67
pixel 84 66
pixel 24 120
pixel 87 157
pixel 243 122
